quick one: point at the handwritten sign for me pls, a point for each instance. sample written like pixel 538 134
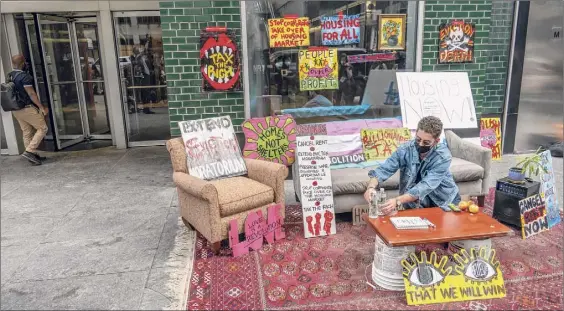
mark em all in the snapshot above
pixel 316 187
pixel 357 212
pixel 256 230
pixel 339 30
pixel 288 32
pixel 219 61
pixel 348 158
pixel 319 69
pixel 548 190
pixel 456 42
pixel 379 144
pixel 476 275
pixel 368 58
pixel 270 139
pixel 533 216
pixel 311 129
pixel 490 135
pixel 446 95
pixel 212 149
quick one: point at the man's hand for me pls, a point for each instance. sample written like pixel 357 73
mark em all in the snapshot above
pixel 45 110
pixel 368 194
pixel 389 207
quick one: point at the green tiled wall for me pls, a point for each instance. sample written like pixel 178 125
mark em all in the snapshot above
pixel 493 34
pixel 181 23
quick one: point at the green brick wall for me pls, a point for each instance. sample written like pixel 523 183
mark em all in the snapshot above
pixel 493 33
pixel 181 23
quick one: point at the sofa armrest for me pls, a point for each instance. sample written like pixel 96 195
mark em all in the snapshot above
pixel 270 174
pixel 199 188
pixel 471 152
pixel 177 153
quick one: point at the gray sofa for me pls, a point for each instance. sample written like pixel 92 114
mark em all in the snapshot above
pixel 470 167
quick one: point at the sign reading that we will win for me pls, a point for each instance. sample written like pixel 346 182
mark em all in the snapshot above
pixel 270 139
pixel 379 144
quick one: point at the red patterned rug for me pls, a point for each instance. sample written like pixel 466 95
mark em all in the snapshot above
pixel 330 273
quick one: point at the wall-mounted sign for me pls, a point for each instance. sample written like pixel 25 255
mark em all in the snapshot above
pixel 368 58
pixel 256 230
pixel 533 216
pixel 318 69
pixel 212 150
pixel 340 30
pixel 490 135
pixel 316 187
pixel 270 139
pixel 476 275
pixel 548 190
pixel 456 42
pixel 391 32
pixel 379 144
pixel 288 32
pixel 219 61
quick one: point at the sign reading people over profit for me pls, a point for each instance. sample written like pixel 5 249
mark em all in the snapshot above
pixel 476 275
pixel 533 216
pixel 219 61
pixel 212 150
pixel 257 229
pixel 456 42
pixel 490 136
pixel 339 30
pixel 287 32
pixel 548 190
pixel 316 187
pixel 318 69
pixel 271 139
pixel 379 144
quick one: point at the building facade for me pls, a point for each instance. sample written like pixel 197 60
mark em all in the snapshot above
pixel 125 73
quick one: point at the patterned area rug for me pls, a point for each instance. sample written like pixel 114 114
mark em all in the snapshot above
pixel 330 273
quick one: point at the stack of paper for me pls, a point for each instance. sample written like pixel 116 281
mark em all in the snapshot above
pixel 402 223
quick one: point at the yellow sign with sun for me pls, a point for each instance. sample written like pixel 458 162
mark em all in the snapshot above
pixel 475 276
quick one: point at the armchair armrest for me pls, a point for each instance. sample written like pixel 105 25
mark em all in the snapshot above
pixel 270 174
pixel 199 188
pixel 175 147
pixel 471 152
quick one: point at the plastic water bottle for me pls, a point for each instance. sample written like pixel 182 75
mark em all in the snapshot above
pixel 381 200
pixel 373 208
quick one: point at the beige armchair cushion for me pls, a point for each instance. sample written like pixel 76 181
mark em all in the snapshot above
pixel 239 194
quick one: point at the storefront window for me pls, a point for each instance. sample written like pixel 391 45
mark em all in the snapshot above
pixel 360 86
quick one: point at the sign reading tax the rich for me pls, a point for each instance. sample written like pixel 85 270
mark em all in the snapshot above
pixel 212 150
pixel 219 61
pixel 288 32
pixel 533 216
pixel 318 69
pixel 315 186
pixel 271 138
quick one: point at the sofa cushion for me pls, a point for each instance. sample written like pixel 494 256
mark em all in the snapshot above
pixel 355 180
pixel 239 194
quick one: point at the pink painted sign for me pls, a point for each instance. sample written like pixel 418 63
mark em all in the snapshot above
pixel 270 139
pixel 257 228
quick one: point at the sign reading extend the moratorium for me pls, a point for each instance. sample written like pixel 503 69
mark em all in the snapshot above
pixel 318 69
pixel 212 150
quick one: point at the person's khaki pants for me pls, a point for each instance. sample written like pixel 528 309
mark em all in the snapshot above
pixel 34 128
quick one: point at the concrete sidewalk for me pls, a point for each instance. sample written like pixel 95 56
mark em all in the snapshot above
pixel 100 229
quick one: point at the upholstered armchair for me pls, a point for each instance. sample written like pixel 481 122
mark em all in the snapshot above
pixel 209 206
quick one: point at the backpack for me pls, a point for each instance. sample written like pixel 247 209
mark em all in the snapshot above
pixel 9 97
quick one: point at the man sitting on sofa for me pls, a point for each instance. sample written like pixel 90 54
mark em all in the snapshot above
pixel 425 179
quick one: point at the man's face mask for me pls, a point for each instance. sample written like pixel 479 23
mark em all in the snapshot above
pixel 423 146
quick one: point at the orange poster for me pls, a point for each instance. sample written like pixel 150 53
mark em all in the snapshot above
pixel 490 135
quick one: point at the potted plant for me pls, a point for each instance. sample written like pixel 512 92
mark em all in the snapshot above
pixel 526 168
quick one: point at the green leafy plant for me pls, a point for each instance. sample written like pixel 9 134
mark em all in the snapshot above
pixel 531 165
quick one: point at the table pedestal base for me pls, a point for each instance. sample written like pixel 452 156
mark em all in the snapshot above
pixel 387 271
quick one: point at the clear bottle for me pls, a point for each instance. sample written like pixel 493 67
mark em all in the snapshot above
pixel 381 200
pixel 373 207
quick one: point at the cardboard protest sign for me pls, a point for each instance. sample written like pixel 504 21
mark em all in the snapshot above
pixel 379 144
pixel 533 216
pixel 357 212
pixel 212 150
pixel 490 136
pixel 340 30
pixel 270 139
pixel 288 32
pixel 316 187
pixel 219 61
pixel 548 190
pixel 475 276
pixel 318 69
pixel 456 42
pixel 256 230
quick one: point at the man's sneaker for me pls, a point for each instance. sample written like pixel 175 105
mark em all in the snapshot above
pixel 38 156
pixel 31 158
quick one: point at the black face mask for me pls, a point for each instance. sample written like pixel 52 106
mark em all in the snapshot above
pixel 422 149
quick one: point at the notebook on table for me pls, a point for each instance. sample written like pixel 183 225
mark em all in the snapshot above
pixel 402 223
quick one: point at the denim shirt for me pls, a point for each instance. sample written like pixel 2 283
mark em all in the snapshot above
pixel 436 184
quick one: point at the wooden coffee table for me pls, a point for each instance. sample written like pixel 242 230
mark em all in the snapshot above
pixel 450 226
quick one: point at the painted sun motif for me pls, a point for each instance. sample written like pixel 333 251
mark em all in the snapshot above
pixel 271 139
